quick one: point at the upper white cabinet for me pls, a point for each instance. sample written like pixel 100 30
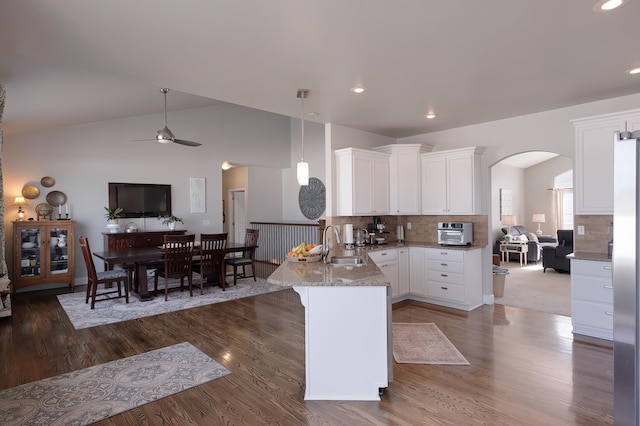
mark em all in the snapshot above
pixel 593 187
pixel 404 176
pixel 451 181
pixel 362 182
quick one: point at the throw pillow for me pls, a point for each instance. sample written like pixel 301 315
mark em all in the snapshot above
pixel 523 238
pixel 533 237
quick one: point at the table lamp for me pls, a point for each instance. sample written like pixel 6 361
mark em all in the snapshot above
pixel 538 218
pixel 509 220
pixel 19 202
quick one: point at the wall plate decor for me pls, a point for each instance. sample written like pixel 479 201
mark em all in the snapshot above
pixel 56 198
pixel 43 210
pixel 30 192
pixel 312 199
pixel 47 181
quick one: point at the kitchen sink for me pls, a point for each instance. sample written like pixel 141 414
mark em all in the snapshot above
pixel 347 261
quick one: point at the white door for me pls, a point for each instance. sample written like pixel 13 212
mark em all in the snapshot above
pixel 239 215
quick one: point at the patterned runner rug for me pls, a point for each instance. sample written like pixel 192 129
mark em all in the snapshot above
pixel 116 310
pixel 95 393
pixel 423 343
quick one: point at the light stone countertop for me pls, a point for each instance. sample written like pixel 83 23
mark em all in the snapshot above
pixel 310 274
pixel 584 255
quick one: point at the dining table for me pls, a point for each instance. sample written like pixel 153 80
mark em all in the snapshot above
pixel 142 258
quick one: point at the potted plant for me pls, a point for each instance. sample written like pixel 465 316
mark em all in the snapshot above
pixel 171 221
pixel 112 219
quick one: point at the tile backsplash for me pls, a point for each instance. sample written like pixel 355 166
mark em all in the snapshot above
pixel 423 227
pixel 598 231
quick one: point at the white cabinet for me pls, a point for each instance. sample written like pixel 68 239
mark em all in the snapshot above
pixel 451 181
pixel 593 187
pixel 404 176
pixel 592 298
pixel 387 262
pixel 417 277
pixel 362 182
pixel 454 277
pixel 403 271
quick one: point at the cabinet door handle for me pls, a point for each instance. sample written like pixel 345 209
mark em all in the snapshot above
pixel 607 268
pixel 607 286
pixel 444 288
pixel 443 264
pixel 444 253
pixel 383 254
pixel 608 313
pixel 444 275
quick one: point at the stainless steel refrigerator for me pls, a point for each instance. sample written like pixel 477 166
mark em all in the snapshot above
pixel 626 240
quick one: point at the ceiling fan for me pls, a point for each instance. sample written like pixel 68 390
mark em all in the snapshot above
pixel 165 135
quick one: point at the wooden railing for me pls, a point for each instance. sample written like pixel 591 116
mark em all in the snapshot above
pixel 277 238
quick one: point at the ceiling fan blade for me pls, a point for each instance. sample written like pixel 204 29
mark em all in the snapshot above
pixel 187 143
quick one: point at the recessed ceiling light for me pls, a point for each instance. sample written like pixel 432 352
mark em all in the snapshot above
pixel 226 165
pixel 313 114
pixel 633 71
pixel 430 115
pixel 358 89
pixel 607 5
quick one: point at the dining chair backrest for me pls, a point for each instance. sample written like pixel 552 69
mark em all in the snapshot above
pixel 212 250
pixel 178 253
pixel 88 260
pixel 251 241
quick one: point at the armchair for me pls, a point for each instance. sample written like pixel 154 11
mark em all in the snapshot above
pixel 556 257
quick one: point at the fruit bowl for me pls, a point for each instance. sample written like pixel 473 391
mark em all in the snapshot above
pixel 307 259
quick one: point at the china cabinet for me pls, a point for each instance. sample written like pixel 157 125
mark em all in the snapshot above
pixel 43 252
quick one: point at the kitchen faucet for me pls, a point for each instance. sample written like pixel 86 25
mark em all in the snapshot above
pixel 325 246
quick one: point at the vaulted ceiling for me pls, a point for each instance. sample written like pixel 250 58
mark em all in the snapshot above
pixel 468 61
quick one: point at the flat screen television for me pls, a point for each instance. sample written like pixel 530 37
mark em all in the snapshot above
pixel 140 199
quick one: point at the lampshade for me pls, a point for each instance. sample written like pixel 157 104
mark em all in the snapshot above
pixel 509 219
pixel 303 173
pixel 538 218
pixel 19 202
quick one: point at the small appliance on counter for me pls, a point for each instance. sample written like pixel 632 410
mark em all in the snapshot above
pixel 400 233
pixel 455 233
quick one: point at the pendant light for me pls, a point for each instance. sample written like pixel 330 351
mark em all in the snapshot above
pixel 303 167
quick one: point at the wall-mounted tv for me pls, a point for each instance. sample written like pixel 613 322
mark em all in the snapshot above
pixel 140 199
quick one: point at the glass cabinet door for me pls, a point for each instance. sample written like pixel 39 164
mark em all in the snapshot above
pixel 31 240
pixel 58 255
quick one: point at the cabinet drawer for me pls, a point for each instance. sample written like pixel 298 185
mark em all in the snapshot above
pixel 446 291
pixel 592 314
pixel 445 277
pixel 383 255
pixel 594 289
pixel 444 254
pixel 445 266
pixel 592 268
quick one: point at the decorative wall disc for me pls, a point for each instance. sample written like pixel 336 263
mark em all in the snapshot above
pixel 47 181
pixel 56 198
pixel 312 199
pixel 43 210
pixel 30 192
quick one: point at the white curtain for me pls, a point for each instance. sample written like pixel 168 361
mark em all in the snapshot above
pixel 558 208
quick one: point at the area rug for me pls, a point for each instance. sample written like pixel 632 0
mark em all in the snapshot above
pixel 95 393
pixel 423 343
pixel 116 310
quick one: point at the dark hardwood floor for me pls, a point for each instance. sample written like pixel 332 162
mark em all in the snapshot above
pixel 526 367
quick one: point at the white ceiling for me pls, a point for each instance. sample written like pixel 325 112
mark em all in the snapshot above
pixel 469 61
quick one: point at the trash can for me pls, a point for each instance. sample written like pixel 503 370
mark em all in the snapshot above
pixel 499 276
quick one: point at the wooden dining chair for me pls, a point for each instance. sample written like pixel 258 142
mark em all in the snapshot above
pixel 247 258
pixel 210 266
pixel 178 255
pixel 118 276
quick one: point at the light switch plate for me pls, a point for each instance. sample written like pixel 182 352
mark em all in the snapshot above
pixel 580 230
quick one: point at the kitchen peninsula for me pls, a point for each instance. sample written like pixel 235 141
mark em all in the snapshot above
pixel 348 350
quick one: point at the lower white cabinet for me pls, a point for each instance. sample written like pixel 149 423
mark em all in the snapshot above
pixel 417 271
pixel 387 262
pixel 592 298
pixel 403 271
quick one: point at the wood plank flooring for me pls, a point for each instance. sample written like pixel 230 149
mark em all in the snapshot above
pixel 526 367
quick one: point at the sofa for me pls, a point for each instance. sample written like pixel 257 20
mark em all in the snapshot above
pixel 556 257
pixel 535 243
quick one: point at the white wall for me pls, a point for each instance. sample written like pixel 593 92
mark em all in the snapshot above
pixel 506 177
pixel 84 158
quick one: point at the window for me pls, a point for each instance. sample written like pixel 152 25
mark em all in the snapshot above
pixel 563 200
